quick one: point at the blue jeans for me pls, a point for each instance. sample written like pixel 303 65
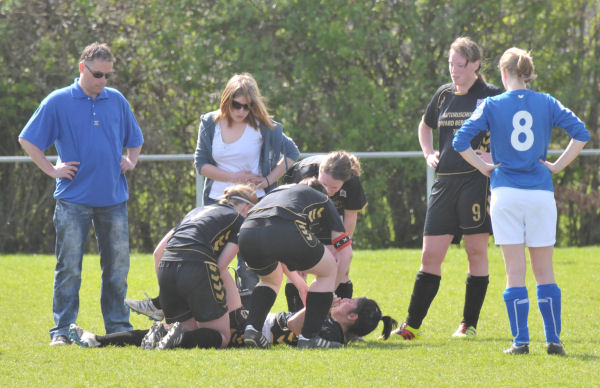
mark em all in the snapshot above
pixel 72 222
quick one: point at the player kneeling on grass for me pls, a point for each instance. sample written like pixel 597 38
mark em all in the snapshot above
pixel 196 290
pixel 279 230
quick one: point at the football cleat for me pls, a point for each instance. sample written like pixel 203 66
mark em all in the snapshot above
pixel 517 349
pixel 465 331
pixel 255 339
pixel 317 342
pixel 154 336
pixel 145 307
pixel 407 332
pixel 172 338
pixel 83 338
pixel 554 348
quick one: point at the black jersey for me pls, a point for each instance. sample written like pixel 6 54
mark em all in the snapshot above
pixel 447 111
pixel 280 333
pixel 203 233
pixel 299 203
pixel 350 197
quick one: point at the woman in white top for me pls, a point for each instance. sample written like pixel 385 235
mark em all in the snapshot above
pixel 237 144
pixel 240 143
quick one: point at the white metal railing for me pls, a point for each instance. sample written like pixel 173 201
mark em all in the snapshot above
pixel 362 155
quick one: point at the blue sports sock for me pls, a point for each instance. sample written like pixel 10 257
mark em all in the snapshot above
pixel 548 297
pixel 517 306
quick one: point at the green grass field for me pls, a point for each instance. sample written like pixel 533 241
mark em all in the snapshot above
pixel 386 275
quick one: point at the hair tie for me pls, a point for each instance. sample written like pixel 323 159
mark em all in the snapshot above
pixel 242 199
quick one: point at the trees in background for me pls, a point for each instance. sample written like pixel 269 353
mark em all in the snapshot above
pixel 352 75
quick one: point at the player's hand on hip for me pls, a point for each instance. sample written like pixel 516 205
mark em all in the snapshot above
pixel 65 170
pixel 485 156
pixel 433 159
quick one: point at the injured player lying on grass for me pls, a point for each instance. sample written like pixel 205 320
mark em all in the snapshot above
pixel 347 319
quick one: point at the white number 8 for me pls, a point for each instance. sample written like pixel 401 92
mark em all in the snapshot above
pixel 522 129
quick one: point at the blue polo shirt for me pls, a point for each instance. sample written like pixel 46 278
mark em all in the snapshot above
pixel 92 132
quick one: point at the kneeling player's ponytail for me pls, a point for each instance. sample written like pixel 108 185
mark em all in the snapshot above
pixel 369 315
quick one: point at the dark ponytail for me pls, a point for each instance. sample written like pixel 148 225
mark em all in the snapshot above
pixel 369 315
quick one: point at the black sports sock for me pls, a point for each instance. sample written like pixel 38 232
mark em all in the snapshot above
pixel 123 338
pixel 293 298
pixel 345 290
pixel 424 291
pixel 262 300
pixel 238 318
pixel 201 338
pixel 156 303
pixel 317 307
pixel 474 295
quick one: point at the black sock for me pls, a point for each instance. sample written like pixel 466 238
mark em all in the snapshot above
pixel 156 303
pixel 345 290
pixel 262 300
pixel 424 291
pixel 238 318
pixel 293 298
pixel 474 296
pixel 123 338
pixel 201 338
pixel 317 307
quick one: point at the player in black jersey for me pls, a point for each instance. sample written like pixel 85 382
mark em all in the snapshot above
pixel 196 289
pixel 339 172
pixel 280 229
pixel 459 200
pixel 347 318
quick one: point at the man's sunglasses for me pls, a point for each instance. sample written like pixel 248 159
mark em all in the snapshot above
pixel 237 106
pixel 98 74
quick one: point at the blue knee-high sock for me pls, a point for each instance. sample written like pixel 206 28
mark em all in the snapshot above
pixel 548 298
pixel 517 306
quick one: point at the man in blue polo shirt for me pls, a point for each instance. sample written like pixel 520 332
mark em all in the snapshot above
pixel 89 124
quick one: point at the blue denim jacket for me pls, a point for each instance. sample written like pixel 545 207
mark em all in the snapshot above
pixel 275 144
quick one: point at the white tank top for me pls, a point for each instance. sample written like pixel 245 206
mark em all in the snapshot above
pixel 241 155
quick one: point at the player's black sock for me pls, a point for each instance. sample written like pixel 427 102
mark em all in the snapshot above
pixel 425 288
pixel 123 338
pixel 238 318
pixel 293 298
pixel 201 338
pixel 345 290
pixel 474 295
pixel 262 300
pixel 156 303
pixel 317 307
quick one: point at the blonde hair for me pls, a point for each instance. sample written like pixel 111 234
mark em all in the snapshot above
pixel 468 49
pixel 244 85
pixel 241 191
pixel 340 165
pixel 518 62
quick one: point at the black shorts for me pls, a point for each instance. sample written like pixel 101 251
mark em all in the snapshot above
pixel 266 241
pixel 191 289
pixel 459 204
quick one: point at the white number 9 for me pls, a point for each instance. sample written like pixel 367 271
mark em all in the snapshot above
pixel 522 129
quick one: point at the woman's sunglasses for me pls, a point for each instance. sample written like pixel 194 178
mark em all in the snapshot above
pixel 237 106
